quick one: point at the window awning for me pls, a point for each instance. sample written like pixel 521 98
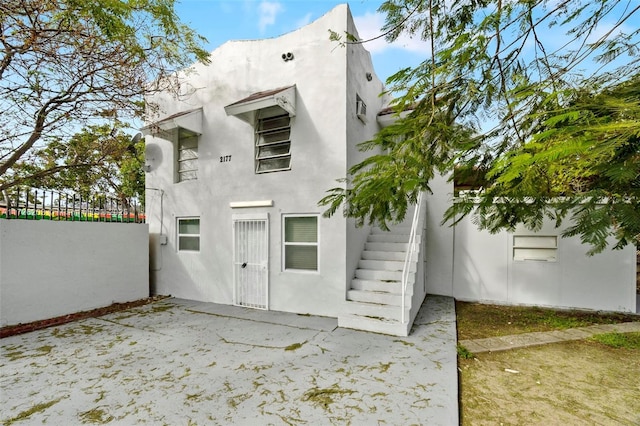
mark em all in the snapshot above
pixel 190 120
pixel 283 98
pixel 387 116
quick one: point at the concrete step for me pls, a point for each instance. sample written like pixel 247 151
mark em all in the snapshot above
pixel 385 265
pixel 391 238
pixel 385 255
pixel 388 238
pixel 374 285
pixel 378 297
pixel 376 310
pixel 395 229
pixel 357 322
pixel 386 246
pixel 380 275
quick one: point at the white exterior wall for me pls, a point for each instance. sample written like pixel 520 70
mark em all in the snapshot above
pixel 359 65
pixel 484 270
pixel 439 238
pixel 319 134
pixel 473 265
pixel 50 269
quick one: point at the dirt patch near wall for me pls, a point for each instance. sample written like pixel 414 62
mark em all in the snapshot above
pixel 50 322
pixel 573 383
pixel 477 321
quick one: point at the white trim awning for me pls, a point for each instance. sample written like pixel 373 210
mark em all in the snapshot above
pixel 388 116
pixel 245 109
pixel 190 120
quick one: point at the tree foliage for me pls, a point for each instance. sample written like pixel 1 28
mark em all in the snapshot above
pixel 66 64
pixel 98 159
pixel 541 96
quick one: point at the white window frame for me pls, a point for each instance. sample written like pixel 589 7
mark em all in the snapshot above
pixel 178 234
pixel 285 243
pixel 179 173
pixel 260 142
pixel 535 248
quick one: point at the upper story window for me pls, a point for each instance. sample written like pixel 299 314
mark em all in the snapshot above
pixel 269 113
pixel 187 158
pixel 273 142
pixel 361 109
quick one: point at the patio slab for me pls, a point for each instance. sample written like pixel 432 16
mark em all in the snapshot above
pixel 185 362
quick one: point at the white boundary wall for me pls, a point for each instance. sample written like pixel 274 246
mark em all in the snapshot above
pixel 485 270
pixel 477 266
pixel 49 269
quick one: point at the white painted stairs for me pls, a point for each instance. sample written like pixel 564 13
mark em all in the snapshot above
pixel 374 302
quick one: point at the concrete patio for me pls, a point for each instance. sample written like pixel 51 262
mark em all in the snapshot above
pixel 181 362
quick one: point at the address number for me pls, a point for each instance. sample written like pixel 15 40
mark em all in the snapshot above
pixel 225 158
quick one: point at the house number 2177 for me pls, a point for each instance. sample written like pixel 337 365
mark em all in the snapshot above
pixel 225 158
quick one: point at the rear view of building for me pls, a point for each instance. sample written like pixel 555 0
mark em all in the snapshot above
pixel 237 165
pixel 237 162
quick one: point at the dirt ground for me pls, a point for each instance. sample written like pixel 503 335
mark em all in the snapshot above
pixel 573 383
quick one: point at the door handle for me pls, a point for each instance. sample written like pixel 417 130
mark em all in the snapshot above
pixel 244 265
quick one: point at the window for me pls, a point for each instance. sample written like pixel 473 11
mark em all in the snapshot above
pixel 300 243
pixel 187 167
pixel 189 234
pixel 273 142
pixel 540 248
pixel 361 109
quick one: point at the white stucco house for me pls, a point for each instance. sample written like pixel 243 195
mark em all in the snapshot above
pixel 238 162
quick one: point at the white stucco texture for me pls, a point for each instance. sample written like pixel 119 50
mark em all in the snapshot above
pixel 485 270
pixel 50 269
pixel 324 133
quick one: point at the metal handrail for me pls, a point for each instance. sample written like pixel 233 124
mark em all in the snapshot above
pixel 411 248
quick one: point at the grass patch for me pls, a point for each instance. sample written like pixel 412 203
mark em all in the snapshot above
pixel 38 408
pixel 464 353
pixel 14 355
pixel 404 342
pixel 324 396
pixel 96 416
pixel 477 321
pixel 44 350
pixel 294 346
pixel 619 340
pixel 81 329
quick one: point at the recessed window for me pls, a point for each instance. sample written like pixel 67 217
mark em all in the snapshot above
pixel 189 234
pixel 541 248
pixel 361 109
pixel 187 164
pixel 300 243
pixel 273 142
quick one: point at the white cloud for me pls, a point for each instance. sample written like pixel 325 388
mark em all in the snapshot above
pixel 369 26
pixel 268 12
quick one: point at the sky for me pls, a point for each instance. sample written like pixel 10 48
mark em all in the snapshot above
pixel 223 20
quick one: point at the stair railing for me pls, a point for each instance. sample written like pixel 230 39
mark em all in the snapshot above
pixel 411 249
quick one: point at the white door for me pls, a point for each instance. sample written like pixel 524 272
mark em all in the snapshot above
pixel 251 261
